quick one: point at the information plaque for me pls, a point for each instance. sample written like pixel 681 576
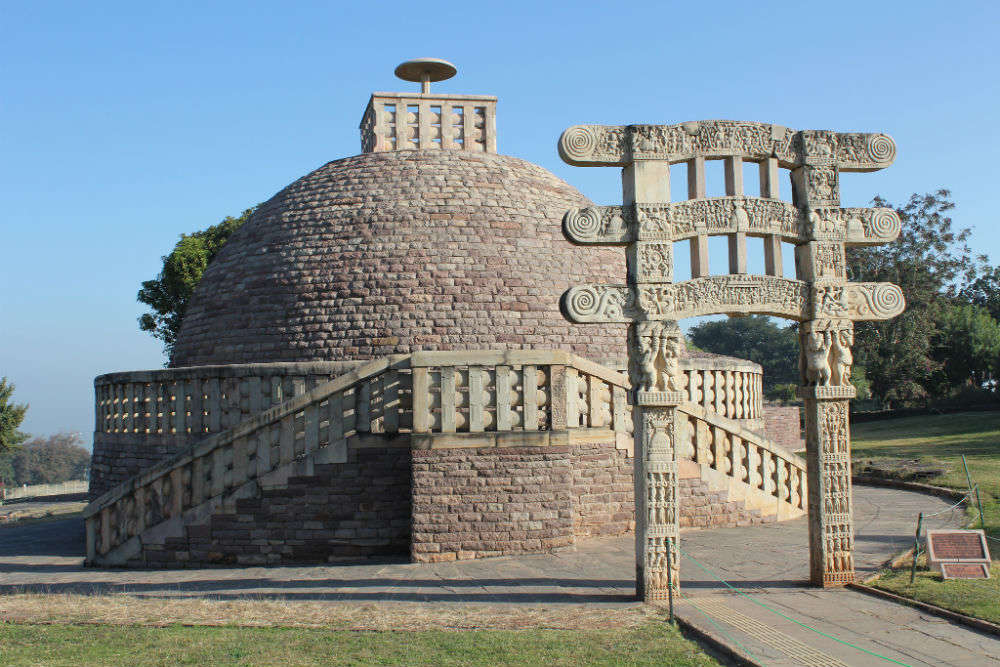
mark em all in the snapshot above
pixel 958 554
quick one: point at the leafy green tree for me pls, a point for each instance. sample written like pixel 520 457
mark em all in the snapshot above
pixel 931 262
pixel 859 378
pixel 11 416
pixel 757 338
pixel 168 294
pixel 967 345
pixel 984 291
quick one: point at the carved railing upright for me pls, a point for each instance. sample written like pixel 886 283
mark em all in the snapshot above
pixel 819 297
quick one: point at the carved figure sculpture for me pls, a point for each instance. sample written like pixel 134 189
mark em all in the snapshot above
pixel 660 346
pixel 647 367
pixel 843 358
pixel 671 345
pixel 817 356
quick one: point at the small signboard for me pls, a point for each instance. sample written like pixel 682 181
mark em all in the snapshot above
pixel 965 571
pixel 958 554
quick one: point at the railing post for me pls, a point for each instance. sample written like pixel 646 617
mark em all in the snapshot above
pixel 390 401
pixel 504 375
pixel 241 461
pixel 619 399
pixel 476 399
pixel 311 435
pixel 594 402
pixel 558 398
pixel 177 486
pixel 198 492
pixel 105 518
pixel 529 386
pixel 218 470
pixel 286 439
pixel 448 406
pixel 421 400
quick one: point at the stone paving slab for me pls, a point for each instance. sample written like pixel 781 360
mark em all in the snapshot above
pixel 900 633
pixel 768 561
pixel 885 520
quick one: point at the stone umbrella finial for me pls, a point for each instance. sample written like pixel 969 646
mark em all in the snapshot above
pixel 426 70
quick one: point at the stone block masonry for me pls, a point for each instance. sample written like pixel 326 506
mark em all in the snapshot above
pixel 120 456
pixel 344 511
pixel 783 425
pixel 442 505
pixel 473 503
pixel 603 498
pixel 391 252
pixel 488 501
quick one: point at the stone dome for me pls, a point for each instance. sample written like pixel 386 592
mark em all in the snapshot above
pixel 391 252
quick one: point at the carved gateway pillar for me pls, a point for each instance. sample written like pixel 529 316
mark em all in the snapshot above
pixel 819 296
pixel 825 342
pixel 654 365
pixel 826 348
pixel 655 351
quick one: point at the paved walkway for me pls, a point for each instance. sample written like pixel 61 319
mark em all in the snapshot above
pixel 769 561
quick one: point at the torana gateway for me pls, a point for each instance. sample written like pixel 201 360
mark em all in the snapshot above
pixel 376 363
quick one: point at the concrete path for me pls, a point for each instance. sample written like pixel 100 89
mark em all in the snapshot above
pixel 769 562
pixel 885 521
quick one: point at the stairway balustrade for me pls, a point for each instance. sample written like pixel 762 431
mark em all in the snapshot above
pixel 242 430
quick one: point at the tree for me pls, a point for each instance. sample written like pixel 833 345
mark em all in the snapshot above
pixel 757 338
pixel 168 294
pixel 931 262
pixel 967 345
pixel 11 416
pixel 984 291
pixel 6 469
pixel 48 460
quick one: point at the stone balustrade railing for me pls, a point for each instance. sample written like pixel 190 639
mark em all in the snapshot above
pixel 201 400
pixel 730 389
pixel 744 456
pixel 451 393
pixel 319 420
pixel 250 426
pixel 476 392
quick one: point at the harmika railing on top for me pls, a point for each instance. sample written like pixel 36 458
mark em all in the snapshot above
pixel 424 392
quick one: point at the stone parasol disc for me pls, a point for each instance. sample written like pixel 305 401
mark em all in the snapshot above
pixel 434 69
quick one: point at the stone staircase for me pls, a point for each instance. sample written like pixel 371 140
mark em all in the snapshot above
pixel 442 454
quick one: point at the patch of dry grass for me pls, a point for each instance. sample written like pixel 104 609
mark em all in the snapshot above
pixel 129 609
pixel 21 513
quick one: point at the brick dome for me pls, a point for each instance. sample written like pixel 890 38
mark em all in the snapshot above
pixel 390 252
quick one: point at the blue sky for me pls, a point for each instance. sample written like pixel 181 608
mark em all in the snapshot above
pixel 123 125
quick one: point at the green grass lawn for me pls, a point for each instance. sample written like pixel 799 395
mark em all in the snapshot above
pixel 972 597
pixel 944 439
pixel 655 643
